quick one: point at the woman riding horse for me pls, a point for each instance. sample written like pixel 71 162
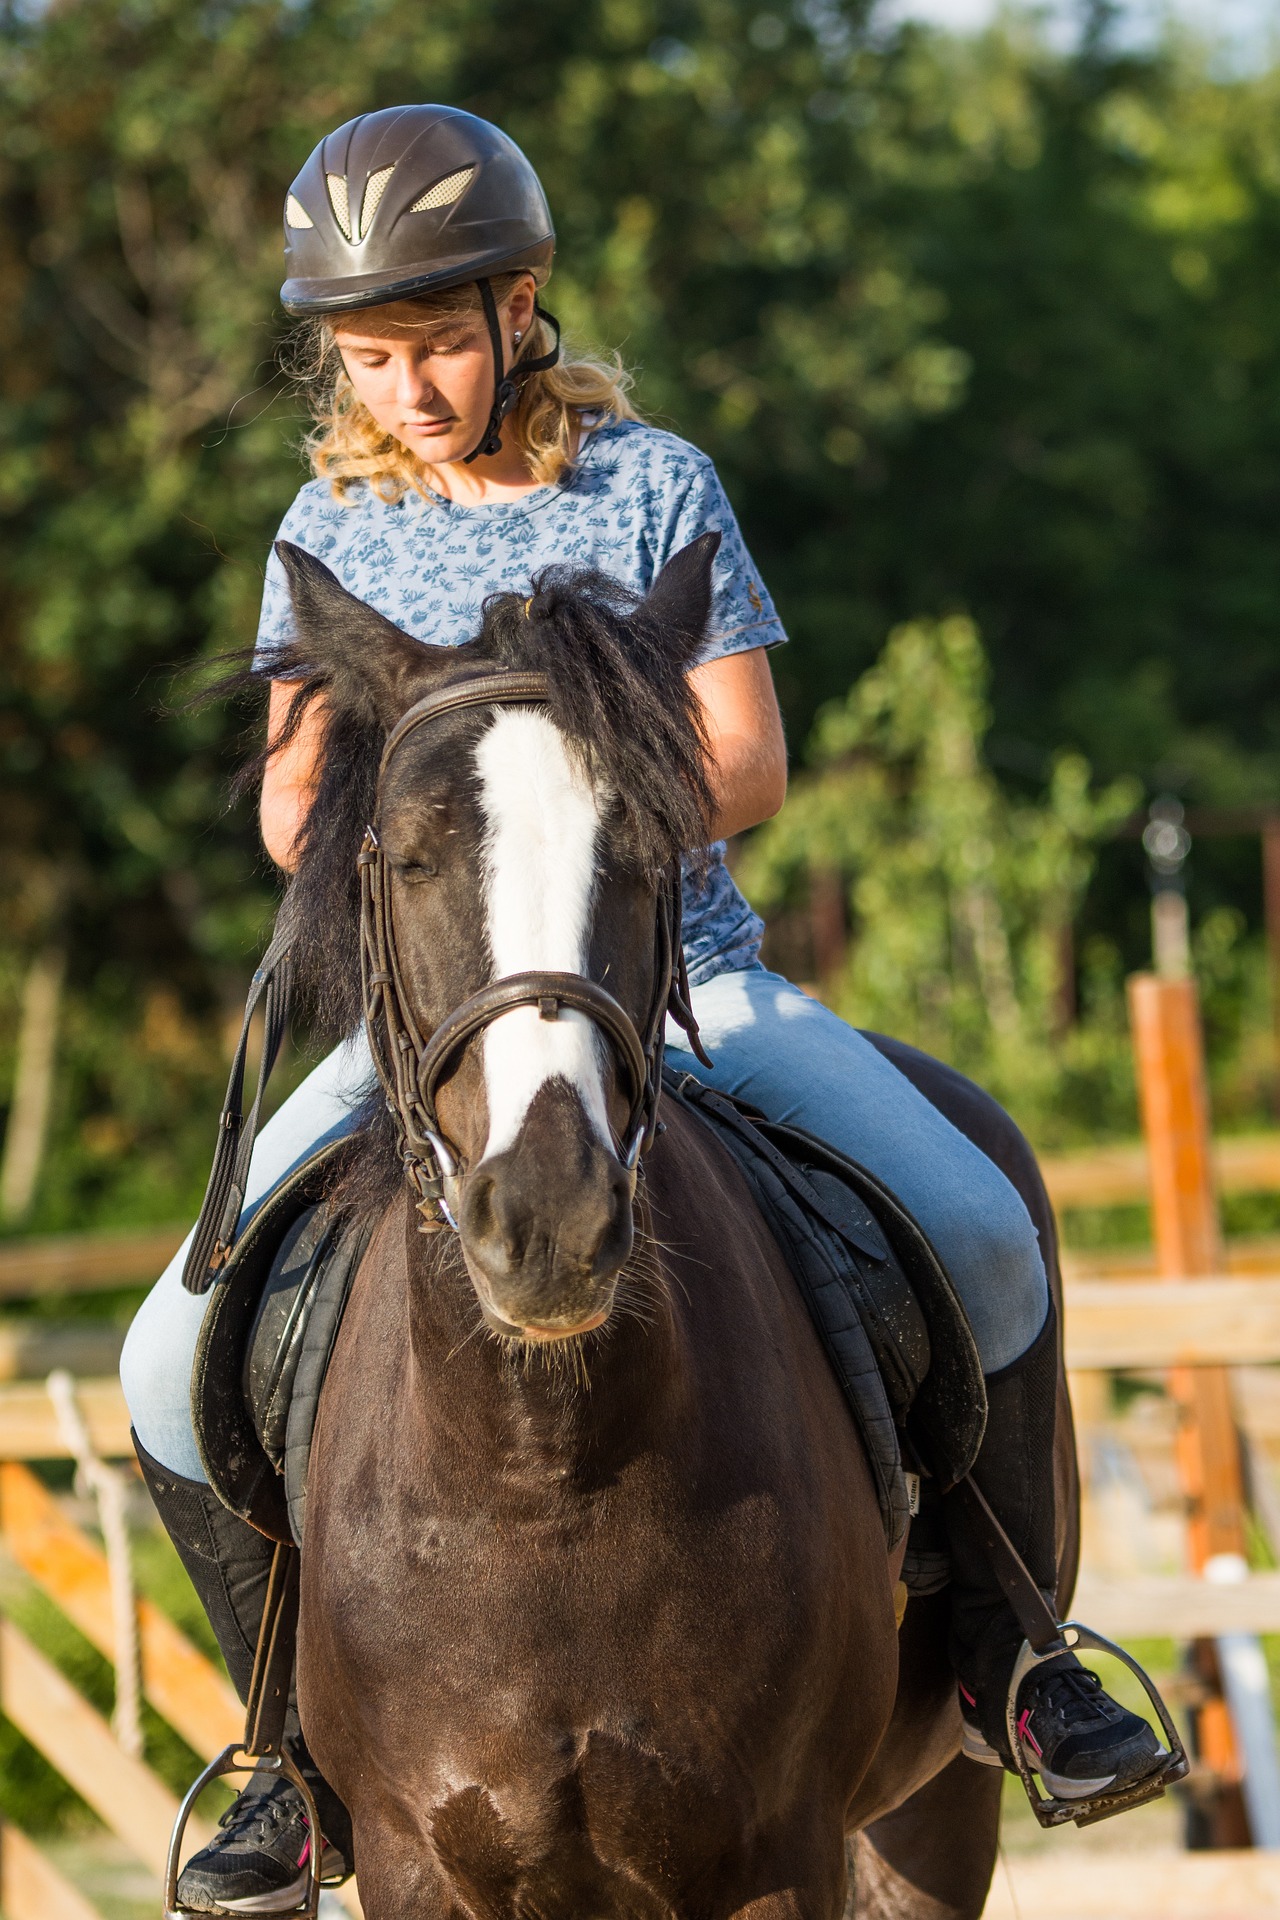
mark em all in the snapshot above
pixel 456 454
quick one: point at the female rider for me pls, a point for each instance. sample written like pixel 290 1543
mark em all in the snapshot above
pixel 456 456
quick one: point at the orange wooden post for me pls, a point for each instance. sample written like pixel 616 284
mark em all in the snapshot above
pixel 1169 1053
pixel 1271 916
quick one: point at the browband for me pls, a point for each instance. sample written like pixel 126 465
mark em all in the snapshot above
pixel 518 687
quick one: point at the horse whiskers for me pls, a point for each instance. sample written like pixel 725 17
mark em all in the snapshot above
pixel 478 1326
pixel 657 1254
pixel 669 1247
pixel 565 1360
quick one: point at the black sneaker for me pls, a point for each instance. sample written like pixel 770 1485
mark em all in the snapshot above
pixel 259 1862
pixel 1074 1735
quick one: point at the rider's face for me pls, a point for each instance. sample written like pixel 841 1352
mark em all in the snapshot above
pixel 429 387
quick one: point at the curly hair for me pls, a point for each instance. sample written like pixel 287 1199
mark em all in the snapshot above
pixel 346 444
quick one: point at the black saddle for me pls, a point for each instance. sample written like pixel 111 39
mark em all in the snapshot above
pixel 889 1318
pixel 265 1345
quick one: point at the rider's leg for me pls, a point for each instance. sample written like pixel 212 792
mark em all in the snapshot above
pixel 254 1858
pixel 798 1062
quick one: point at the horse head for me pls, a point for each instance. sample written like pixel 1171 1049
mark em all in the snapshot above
pixel 514 839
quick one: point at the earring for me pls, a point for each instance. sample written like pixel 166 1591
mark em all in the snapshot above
pixel 516 338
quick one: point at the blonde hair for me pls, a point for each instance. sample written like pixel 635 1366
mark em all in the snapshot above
pixel 346 444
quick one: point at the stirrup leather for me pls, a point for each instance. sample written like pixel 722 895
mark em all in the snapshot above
pixel 1051 1811
pixel 262 1749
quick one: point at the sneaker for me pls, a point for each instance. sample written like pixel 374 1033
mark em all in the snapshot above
pixel 1073 1734
pixel 259 1861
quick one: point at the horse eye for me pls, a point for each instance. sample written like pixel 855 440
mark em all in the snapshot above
pixel 415 870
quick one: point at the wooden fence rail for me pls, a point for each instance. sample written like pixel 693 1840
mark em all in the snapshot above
pixel 1101 1177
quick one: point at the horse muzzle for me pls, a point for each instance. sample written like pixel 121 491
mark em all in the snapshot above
pixel 546 1227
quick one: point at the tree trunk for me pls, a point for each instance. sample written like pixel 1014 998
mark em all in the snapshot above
pixel 28 1126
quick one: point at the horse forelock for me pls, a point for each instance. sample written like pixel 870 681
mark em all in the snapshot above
pixel 620 694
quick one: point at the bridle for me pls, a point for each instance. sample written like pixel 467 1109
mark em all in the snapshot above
pixel 411 1064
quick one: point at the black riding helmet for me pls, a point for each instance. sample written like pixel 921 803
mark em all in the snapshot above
pixel 413 200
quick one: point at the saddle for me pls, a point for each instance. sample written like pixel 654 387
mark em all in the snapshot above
pixel 890 1322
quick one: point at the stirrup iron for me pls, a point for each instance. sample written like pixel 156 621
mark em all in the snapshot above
pixel 1046 1638
pixel 1049 1810
pixel 235 1759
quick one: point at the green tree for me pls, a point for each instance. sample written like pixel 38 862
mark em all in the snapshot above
pixel 961 901
pixel 968 327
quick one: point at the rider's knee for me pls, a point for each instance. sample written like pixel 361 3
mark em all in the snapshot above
pixel 1002 1278
pixel 155 1375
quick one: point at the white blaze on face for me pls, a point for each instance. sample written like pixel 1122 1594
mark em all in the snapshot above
pixel 542 822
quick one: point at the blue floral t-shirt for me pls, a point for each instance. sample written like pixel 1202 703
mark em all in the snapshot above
pixel 633 497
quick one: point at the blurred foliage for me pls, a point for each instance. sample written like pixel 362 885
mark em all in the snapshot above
pixel 969 327
pixel 961 900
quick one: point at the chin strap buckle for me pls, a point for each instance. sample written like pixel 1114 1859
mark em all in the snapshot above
pixel 1049 1809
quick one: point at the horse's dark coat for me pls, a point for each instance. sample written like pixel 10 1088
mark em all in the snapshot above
pixel 605 1630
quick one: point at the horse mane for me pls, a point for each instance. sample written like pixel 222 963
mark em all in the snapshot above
pixel 617 672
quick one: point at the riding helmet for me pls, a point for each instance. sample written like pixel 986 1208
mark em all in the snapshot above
pixel 408 201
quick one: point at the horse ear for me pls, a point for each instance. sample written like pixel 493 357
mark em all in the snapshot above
pixel 370 666
pixel 680 598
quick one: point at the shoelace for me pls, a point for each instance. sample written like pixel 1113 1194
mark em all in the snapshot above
pixel 1073 1694
pixel 256 1819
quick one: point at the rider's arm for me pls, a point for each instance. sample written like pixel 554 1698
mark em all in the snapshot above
pixel 739 710
pixel 744 730
pixel 289 782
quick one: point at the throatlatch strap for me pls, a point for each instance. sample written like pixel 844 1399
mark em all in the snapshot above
pixel 220 1211
pixel 273 1659
pixel 1042 1629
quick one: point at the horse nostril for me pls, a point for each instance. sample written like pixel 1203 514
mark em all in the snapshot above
pixel 478 1213
pixel 494 1218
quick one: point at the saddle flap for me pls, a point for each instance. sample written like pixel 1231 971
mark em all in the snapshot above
pixel 948 1413
pixel 238 1467
pixel 275 1341
pixel 910 1314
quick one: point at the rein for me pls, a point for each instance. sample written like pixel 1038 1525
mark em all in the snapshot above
pixel 411 1064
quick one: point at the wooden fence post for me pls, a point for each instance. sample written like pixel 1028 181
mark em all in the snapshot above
pixel 1169 1054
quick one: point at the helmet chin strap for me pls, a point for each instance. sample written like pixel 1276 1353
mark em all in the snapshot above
pixel 506 386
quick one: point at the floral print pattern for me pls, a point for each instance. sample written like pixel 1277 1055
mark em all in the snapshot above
pixel 632 499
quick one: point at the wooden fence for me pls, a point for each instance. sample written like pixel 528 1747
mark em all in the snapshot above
pixel 182 1686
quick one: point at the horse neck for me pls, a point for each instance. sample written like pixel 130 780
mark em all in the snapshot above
pixel 559 1412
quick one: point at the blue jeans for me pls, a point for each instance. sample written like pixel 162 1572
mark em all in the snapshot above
pixel 787 1054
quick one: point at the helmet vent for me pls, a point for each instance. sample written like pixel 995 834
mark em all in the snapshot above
pixel 374 190
pixel 296 215
pixel 337 186
pixel 444 192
